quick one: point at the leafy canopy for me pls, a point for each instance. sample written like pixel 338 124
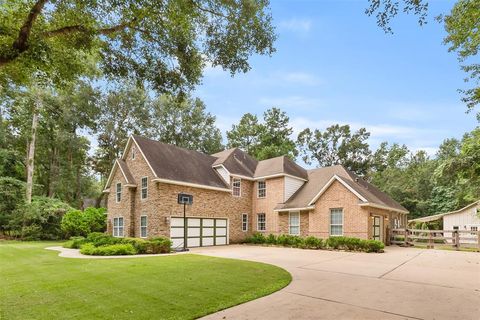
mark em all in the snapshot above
pixel 165 43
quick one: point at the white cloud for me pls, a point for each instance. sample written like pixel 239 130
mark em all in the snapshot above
pixel 302 25
pixel 290 102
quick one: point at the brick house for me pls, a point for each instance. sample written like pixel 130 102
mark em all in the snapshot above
pixel 235 195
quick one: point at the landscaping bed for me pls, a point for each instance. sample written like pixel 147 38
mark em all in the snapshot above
pixel 332 243
pixel 101 244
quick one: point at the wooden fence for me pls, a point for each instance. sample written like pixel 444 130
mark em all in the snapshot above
pixel 436 238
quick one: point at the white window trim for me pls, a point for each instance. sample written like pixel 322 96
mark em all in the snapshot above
pixel 289 225
pixel 258 222
pixel 145 226
pixel 330 223
pixel 117 192
pixel 258 189
pixel 141 188
pixel 118 227
pixel 246 222
pixel 240 187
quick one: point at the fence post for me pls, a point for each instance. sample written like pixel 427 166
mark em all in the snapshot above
pixel 430 244
pixel 405 238
pixel 457 239
pixel 478 240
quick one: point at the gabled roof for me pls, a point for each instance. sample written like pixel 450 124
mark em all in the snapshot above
pixel 236 162
pixel 320 179
pixel 279 166
pixel 438 216
pixel 120 164
pixel 178 164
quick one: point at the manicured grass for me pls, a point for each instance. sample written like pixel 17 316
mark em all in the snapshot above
pixel 37 284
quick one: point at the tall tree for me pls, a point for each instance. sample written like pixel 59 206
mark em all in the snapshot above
pixel 246 134
pixel 268 139
pixel 275 135
pixel 336 145
pixel 165 43
pixel 184 122
pixel 124 111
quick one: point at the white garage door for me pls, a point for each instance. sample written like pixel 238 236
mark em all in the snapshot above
pixel 201 232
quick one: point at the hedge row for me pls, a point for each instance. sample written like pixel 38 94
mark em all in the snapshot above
pixel 337 243
pixel 97 243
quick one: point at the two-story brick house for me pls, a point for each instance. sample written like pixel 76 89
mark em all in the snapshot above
pixel 236 195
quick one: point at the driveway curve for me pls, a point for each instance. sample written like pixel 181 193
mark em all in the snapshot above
pixel 402 283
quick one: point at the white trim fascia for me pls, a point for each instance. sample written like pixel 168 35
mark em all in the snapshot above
pixel 130 185
pixel 379 206
pixel 106 190
pixel 277 175
pixel 294 209
pixel 242 177
pixel 188 184
pixel 329 183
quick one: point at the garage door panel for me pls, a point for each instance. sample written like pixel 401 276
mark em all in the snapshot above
pixel 193 222
pixel 176 222
pixel 177 243
pixel 208 222
pixel 193 232
pixel 221 231
pixel 207 232
pixel 176 232
pixel 193 242
pixel 208 241
pixel 221 223
pixel 220 240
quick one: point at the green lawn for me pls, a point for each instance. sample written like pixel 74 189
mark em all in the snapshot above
pixel 37 284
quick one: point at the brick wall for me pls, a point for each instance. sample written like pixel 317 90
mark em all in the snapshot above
pixel 266 205
pixel 283 223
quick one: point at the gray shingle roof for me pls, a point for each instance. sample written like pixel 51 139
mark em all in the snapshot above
pixel 179 164
pixel 279 165
pixel 236 161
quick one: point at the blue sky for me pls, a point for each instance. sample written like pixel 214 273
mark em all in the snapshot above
pixel 334 65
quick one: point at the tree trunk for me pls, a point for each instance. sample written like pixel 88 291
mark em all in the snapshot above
pixel 31 151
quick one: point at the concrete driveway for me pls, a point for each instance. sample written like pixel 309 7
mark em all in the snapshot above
pixel 402 283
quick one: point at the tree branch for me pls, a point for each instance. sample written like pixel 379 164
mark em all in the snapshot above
pixel 80 28
pixel 215 13
pixel 21 43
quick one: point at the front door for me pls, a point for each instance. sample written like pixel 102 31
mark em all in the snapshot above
pixel 377 228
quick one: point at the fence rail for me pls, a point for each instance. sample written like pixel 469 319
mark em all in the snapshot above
pixel 434 238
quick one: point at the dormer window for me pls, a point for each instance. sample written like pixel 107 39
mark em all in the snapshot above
pixel 133 153
pixel 237 187
pixel 262 189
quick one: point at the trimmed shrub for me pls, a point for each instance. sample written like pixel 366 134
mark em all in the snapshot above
pixel 271 239
pixel 74 243
pixel 313 243
pixel 353 244
pixel 109 250
pixel 102 239
pixel 158 245
pixel 256 238
pixel 139 244
pixel 373 246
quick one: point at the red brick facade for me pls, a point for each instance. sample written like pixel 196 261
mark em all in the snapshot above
pixel 161 205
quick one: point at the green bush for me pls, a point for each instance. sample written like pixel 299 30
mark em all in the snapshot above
pixel 74 243
pixel 108 250
pixel 353 244
pixel 139 244
pixel 256 238
pixel 78 223
pixel 271 239
pixel 313 243
pixel 373 246
pixel 158 245
pixel 102 239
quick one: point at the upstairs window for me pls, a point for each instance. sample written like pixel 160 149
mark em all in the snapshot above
pixel 133 153
pixel 118 227
pixel 144 188
pixel 237 187
pixel 336 222
pixel 119 192
pixel 244 222
pixel 261 222
pixel 143 226
pixel 262 189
